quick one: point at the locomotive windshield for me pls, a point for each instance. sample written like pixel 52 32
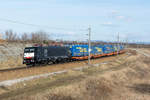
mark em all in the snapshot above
pixel 29 49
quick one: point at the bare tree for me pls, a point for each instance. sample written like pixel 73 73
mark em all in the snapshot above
pixel 39 37
pixel 25 37
pixel 10 36
pixel 35 37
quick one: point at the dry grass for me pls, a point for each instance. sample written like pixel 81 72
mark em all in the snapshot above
pixel 89 89
pixel 133 52
pixel 97 89
pixel 60 96
pixel 12 62
pixel 2 41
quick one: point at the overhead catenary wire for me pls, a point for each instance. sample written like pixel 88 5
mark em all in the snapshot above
pixel 35 25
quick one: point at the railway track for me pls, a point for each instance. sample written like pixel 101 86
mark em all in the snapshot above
pixel 26 67
pixel 38 66
pixel 14 73
pixel 13 69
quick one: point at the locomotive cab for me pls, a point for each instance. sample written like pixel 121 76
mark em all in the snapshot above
pixel 29 55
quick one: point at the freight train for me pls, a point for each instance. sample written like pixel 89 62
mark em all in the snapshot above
pixel 55 54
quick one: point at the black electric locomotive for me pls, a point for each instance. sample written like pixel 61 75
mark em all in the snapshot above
pixel 56 54
pixel 46 55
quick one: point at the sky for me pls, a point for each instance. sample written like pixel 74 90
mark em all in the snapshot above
pixel 70 19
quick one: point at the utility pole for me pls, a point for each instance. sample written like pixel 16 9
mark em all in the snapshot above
pixel 137 44
pixel 126 43
pixel 89 43
pixel 118 43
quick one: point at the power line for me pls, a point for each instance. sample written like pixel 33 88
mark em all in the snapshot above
pixel 35 25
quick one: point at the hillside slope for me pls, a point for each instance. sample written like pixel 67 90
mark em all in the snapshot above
pixel 11 54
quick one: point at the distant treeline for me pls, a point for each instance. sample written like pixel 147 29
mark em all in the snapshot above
pixel 34 37
pixel 43 38
pixel 134 45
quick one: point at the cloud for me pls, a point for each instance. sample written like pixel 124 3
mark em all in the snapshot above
pixel 120 17
pixel 70 33
pixel 124 18
pixel 63 34
pixel 129 19
pixel 114 12
pixel 109 24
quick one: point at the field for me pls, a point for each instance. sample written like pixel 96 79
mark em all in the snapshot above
pixel 124 78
